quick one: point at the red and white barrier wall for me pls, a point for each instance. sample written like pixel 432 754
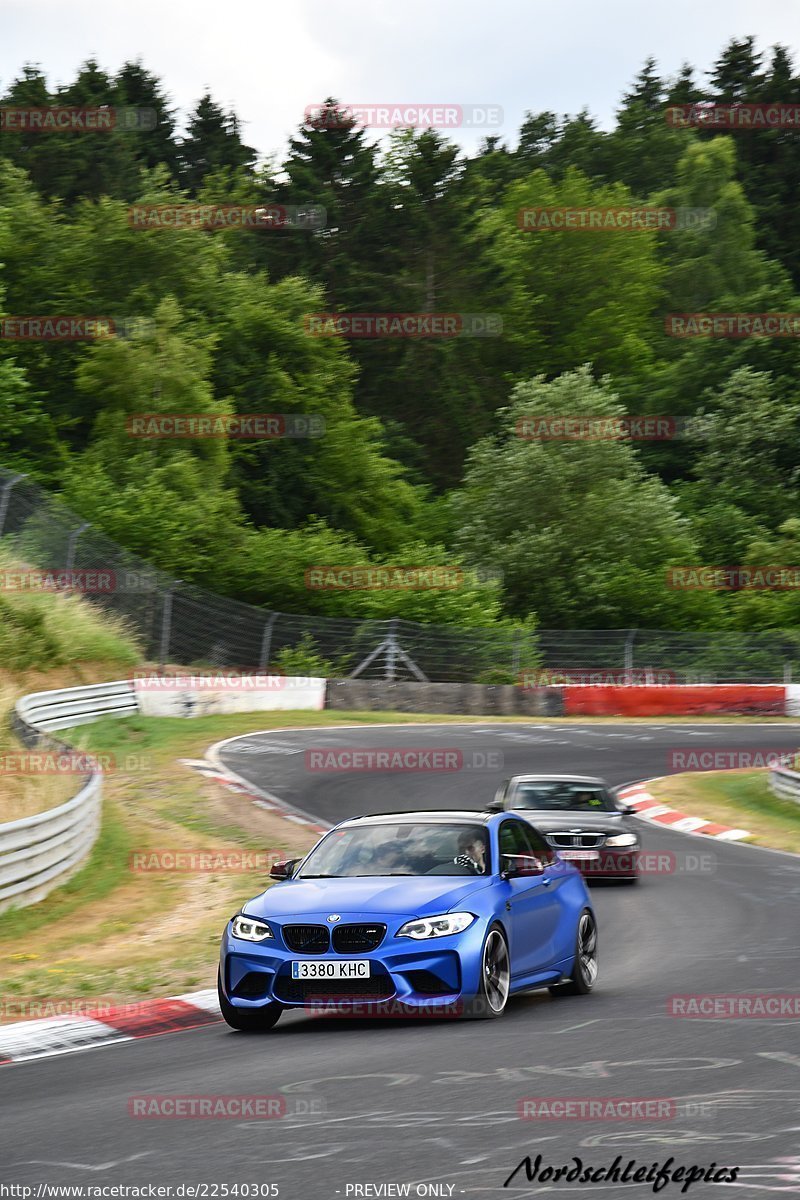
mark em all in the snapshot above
pixel 681 700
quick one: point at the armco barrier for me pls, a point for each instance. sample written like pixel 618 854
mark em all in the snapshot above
pixel 785 783
pixel 683 700
pixel 39 853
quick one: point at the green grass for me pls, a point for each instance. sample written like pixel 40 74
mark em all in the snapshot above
pixel 40 629
pixel 740 799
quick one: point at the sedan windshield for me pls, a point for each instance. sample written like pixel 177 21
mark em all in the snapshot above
pixel 558 795
pixel 399 848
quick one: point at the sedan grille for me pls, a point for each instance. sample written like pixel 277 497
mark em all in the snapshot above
pixel 306 939
pixel 357 939
pixel 582 841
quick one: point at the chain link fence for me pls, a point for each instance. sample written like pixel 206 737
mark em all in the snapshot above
pixel 178 622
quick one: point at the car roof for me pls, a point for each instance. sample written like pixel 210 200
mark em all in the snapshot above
pixel 558 779
pixel 430 816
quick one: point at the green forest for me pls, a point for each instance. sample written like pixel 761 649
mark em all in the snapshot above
pixel 421 462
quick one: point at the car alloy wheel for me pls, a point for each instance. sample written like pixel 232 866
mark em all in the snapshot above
pixel 587 949
pixel 584 971
pixel 495 972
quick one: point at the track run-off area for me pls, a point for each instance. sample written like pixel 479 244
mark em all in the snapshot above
pixel 378 1104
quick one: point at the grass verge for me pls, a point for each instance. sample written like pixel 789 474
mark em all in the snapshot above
pixel 741 799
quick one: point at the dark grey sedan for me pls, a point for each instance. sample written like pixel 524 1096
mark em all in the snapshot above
pixel 580 818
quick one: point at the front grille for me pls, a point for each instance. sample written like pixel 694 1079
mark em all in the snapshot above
pixel 582 841
pixel 306 939
pixel 310 991
pixel 357 939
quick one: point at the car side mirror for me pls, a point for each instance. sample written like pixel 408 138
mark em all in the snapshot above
pixel 494 806
pixel 627 811
pixel 514 866
pixel 283 870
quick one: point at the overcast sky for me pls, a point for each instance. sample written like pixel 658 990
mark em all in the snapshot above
pixel 269 61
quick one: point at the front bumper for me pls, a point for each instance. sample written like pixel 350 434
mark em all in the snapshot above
pixel 612 862
pixel 431 975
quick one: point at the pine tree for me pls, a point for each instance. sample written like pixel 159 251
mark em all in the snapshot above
pixel 213 143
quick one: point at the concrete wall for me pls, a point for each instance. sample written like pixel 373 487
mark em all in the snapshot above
pixel 474 699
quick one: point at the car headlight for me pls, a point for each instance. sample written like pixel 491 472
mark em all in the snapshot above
pixel 431 927
pixel 623 839
pixel 250 929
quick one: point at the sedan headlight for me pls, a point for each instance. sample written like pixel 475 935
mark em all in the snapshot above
pixel 431 927
pixel 623 839
pixel 250 929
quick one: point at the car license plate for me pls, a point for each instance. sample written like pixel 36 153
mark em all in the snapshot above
pixel 346 968
pixel 580 855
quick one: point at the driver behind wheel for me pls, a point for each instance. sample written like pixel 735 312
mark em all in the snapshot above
pixel 471 852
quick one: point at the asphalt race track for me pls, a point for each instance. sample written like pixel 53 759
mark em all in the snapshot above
pixel 394 1102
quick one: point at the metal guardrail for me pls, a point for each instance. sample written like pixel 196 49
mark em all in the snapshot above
pixel 44 711
pixel 39 853
pixel 784 782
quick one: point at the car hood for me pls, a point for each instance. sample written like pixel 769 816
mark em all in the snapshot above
pixel 552 822
pixel 379 895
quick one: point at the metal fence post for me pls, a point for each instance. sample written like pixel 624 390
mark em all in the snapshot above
pixel 391 652
pixel 71 545
pixel 516 651
pixel 266 641
pixel 166 623
pixel 5 497
pixel 629 640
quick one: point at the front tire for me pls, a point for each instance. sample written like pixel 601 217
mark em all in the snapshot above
pixel 251 1020
pixel 495 983
pixel 584 971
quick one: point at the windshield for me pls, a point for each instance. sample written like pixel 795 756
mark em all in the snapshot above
pixel 395 848
pixel 561 796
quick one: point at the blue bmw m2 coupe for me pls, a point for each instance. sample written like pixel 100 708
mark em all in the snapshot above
pixel 424 912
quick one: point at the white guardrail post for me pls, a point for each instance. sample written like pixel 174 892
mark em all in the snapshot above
pixel 39 853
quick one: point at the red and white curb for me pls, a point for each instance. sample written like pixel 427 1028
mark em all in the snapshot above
pixel 637 796
pixel 212 767
pixel 104 1025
